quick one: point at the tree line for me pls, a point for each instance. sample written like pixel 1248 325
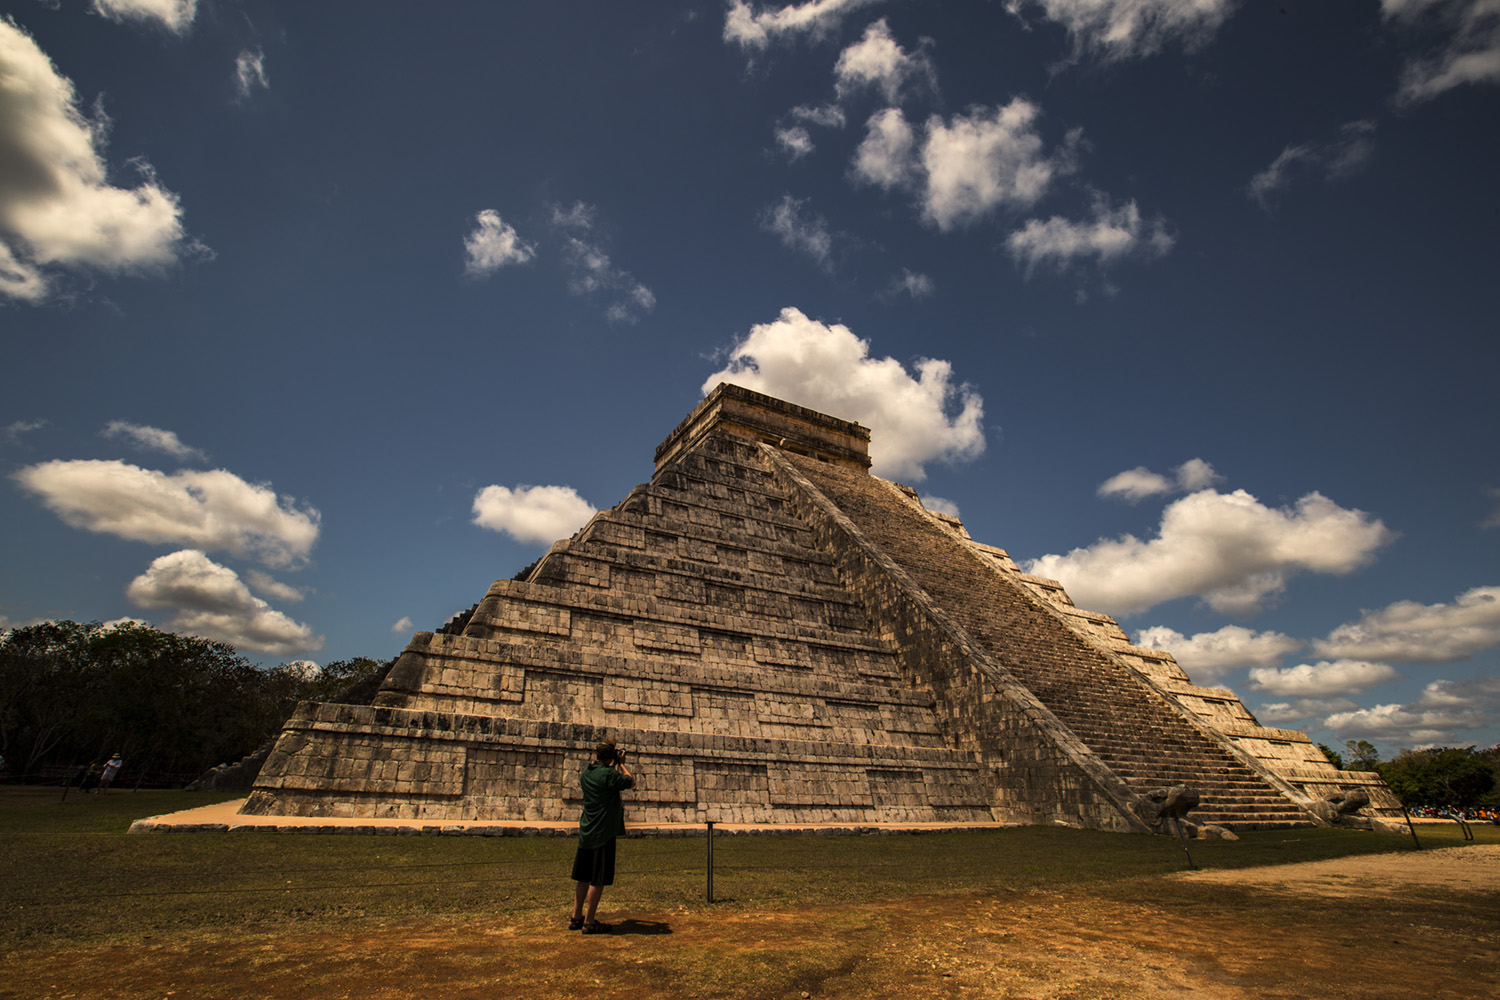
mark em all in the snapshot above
pixel 172 705
pixel 1440 777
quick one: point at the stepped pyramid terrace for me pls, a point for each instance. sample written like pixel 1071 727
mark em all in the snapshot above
pixel 779 637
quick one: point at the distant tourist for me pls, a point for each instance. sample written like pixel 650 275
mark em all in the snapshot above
pixel 602 821
pixel 111 768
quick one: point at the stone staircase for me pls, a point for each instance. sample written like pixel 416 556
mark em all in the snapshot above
pixel 1133 730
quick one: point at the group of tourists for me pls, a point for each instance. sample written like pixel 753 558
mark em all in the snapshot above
pixel 1481 814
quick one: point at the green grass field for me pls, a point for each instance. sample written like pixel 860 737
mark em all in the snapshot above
pixel 72 875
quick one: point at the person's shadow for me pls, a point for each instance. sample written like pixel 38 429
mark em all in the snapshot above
pixel 642 927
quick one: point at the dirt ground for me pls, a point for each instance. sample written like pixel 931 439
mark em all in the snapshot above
pixel 1412 924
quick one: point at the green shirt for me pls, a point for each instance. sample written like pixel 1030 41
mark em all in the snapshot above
pixel 603 816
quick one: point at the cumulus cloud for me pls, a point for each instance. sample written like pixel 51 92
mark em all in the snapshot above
pixel 966 167
pixel 1208 656
pixel 532 513
pixel 303 669
pixel 19 279
pixel 402 625
pixel 754 28
pixel 1461 39
pixel 877 62
pixel 1286 713
pixel 805 232
pixel 887 155
pixel 210 600
pixel 1140 482
pixel 1409 632
pixel 1444 708
pixel 174 15
pixel 493 244
pixel 912 421
pixel 268 586
pixel 1112 30
pixel 214 510
pixel 57 207
pixel 940 506
pixel 1229 549
pixel 1319 680
pixel 795 141
pixel 1108 236
pixel 250 72
pixel 1332 160
pixel 151 439
pixel 592 273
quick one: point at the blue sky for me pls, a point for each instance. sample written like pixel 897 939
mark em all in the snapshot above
pixel 321 317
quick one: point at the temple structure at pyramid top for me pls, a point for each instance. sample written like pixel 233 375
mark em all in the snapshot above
pixel 779 637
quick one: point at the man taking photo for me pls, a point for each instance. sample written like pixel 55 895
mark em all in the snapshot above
pixel 602 821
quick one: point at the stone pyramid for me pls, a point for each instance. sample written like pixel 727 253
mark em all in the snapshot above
pixel 779 637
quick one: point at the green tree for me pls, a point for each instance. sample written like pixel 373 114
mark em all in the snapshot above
pixel 1361 755
pixel 1443 777
pixel 1334 757
pixel 171 704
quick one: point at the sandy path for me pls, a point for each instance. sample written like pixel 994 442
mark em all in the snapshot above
pixel 1466 869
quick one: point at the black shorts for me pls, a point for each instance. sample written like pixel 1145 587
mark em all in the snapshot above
pixel 595 865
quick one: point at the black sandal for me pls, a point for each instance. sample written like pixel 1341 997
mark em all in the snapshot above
pixel 598 927
pixel 575 923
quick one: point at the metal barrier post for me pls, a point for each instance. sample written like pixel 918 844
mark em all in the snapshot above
pixel 1412 828
pixel 710 861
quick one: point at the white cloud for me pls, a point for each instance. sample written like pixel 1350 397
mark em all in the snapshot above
pixel 20 280
pixel 1138 483
pixel 402 626
pixel 1408 632
pixel 1282 713
pixel 207 510
pixel 887 155
pixel 1332 160
pixel 877 62
pixel 1109 235
pixel 828 115
pixel 250 72
pixel 1443 708
pixel 966 167
pixel 493 244
pixel 1208 656
pixel 592 273
pixel 532 513
pixel 1320 680
pixel 806 234
pixel 754 29
pixel 918 286
pixel 1461 37
pixel 174 15
pixel 1229 549
pixel 1112 30
pixel 830 370
pixel 940 506
pixel 151 439
pixel 303 669
pixel 56 205
pixel 1493 521
pixel 211 601
pixel 984 160
pixel 16 429
pixel 1135 484
pixel 269 586
pixel 795 142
